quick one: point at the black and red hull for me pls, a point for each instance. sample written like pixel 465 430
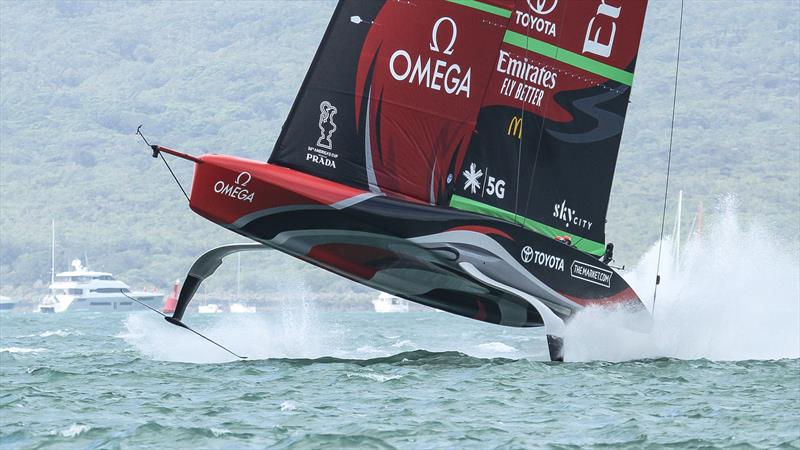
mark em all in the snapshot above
pixel 464 263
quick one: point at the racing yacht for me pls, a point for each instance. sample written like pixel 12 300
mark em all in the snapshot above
pixel 448 153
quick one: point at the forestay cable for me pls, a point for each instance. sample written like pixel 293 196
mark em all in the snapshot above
pixel 157 153
pixel 669 162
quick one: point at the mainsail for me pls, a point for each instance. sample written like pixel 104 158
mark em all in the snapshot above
pixel 512 109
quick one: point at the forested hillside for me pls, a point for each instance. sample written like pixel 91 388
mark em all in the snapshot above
pixel 77 78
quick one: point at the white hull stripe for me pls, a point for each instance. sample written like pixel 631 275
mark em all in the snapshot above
pixel 342 204
pixel 552 323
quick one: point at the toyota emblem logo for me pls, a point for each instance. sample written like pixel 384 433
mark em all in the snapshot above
pixel 527 254
pixel 543 7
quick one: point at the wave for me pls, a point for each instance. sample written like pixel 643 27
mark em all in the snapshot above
pixel 287 405
pixel 72 431
pixel 411 358
pixel 379 377
pixel 497 347
pixel 59 333
pixel 189 434
pixel 21 350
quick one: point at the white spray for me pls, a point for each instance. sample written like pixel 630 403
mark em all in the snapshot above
pixel 292 331
pixel 734 295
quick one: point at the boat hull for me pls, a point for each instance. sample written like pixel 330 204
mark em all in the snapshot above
pixel 384 307
pixel 101 304
pixel 464 263
pixel 6 306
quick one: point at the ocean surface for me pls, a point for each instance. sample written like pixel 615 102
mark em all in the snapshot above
pixel 365 380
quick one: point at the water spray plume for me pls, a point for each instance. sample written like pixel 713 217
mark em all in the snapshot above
pixel 734 295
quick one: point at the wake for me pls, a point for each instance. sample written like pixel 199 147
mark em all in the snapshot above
pixel 733 295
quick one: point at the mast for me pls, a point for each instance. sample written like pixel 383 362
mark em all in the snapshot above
pixel 676 232
pixel 238 274
pixel 53 252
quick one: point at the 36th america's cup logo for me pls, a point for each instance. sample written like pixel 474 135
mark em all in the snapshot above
pixel 326 124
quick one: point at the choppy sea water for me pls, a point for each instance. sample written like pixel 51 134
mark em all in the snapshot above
pixel 720 368
pixel 366 380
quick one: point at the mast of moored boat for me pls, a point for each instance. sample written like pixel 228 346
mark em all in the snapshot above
pixel 238 274
pixel 53 252
pixel 676 232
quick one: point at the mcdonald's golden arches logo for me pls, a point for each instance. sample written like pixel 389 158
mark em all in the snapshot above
pixel 515 127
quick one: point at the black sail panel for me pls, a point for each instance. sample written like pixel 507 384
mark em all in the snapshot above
pixel 319 135
pixel 551 122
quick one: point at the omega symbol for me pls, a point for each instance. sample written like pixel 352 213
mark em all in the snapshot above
pixel 247 177
pixel 435 33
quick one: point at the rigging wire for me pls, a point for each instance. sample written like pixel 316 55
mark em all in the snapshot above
pixel 182 325
pixel 173 176
pixel 669 163
pixel 122 291
pixel 158 153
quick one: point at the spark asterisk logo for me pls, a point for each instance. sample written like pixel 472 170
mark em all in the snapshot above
pixel 473 178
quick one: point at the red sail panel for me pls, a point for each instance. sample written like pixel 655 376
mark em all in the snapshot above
pixel 425 69
pixel 393 95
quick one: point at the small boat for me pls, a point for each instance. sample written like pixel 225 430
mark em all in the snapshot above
pixel 6 303
pixel 172 300
pixel 84 290
pixel 388 303
pixel 210 308
pixel 241 308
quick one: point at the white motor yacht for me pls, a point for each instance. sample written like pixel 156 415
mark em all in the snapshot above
pixel 388 303
pixel 84 290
